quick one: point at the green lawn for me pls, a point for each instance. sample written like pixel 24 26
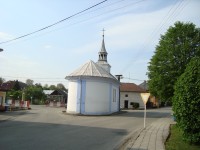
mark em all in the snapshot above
pixel 175 141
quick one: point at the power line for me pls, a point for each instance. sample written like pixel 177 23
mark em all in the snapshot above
pixel 159 28
pixel 31 77
pixel 58 22
pixel 132 79
pixel 90 18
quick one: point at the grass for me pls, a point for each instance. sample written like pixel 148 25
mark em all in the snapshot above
pixel 175 141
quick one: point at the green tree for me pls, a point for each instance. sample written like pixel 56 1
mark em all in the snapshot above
pixel 16 86
pixel 29 82
pixel 35 93
pixel 14 94
pixel 180 43
pixel 52 87
pixel 46 87
pixel 186 101
pixel 2 80
pixel 61 87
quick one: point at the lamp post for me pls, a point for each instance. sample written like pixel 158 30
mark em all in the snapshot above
pixel 118 78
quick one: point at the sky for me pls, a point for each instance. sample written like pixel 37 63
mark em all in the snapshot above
pixel 132 31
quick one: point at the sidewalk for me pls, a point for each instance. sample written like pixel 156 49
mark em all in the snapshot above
pixel 153 137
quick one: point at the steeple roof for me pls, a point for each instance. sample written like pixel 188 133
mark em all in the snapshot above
pixel 103 49
pixel 91 69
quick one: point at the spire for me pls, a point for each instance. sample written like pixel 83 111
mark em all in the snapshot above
pixel 103 56
pixel 103 53
pixel 103 49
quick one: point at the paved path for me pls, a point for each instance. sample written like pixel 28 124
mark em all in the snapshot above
pixel 153 137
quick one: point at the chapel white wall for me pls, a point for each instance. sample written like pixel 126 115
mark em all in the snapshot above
pixel 115 103
pixel 97 97
pixel 72 97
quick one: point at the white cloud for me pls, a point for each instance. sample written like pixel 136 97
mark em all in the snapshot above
pixel 142 30
pixel 47 46
pixel 5 36
pixel 18 65
pixel 134 29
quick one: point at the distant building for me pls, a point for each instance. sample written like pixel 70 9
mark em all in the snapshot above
pixel 56 97
pixel 2 100
pixel 129 93
pixel 9 85
pixel 93 90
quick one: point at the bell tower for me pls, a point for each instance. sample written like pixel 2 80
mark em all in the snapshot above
pixel 103 56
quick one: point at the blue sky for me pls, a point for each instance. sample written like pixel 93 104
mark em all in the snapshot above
pixel 133 29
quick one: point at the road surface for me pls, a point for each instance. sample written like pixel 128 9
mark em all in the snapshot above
pixel 48 128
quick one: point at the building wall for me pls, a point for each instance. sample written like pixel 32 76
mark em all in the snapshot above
pixel 72 97
pixel 114 98
pixel 97 98
pixel 132 97
pixel 2 98
pixel 92 97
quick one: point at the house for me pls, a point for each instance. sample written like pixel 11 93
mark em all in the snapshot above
pixel 9 85
pixel 93 90
pixel 129 93
pixel 56 97
pixel 2 100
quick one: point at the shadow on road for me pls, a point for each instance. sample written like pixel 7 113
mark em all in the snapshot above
pixel 151 113
pixel 33 135
pixel 16 113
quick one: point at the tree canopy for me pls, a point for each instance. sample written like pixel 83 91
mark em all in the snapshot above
pixel 186 101
pixel 29 82
pixel 180 43
pixel 2 80
pixel 34 92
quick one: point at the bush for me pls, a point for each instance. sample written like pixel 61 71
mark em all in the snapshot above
pixel 186 101
pixel 135 105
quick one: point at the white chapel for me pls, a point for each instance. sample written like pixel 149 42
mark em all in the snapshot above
pixel 93 90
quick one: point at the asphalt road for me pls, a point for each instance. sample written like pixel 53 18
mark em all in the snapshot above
pixel 48 128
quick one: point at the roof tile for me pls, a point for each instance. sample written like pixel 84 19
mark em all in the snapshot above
pixel 91 69
pixel 131 87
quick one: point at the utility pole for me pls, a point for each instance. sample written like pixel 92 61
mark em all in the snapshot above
pixel 118 78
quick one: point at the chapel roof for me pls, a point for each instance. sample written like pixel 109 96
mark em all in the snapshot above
pixel 91 69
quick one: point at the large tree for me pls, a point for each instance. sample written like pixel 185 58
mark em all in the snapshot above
pixel 186 101
pixel 35 92
pixel 61 87
pixel 180 43
pixel 2 80
pixel 29 82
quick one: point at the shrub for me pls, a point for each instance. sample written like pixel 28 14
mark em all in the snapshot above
pixel 135 105
pixel 186 101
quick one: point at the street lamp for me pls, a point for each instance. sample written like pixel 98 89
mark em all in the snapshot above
pixel 118 78
pixel 1 49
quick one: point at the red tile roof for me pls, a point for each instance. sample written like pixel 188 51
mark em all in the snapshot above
pixel 131 87
pixel 7 86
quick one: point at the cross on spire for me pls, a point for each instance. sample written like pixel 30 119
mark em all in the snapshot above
pixel 103 31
